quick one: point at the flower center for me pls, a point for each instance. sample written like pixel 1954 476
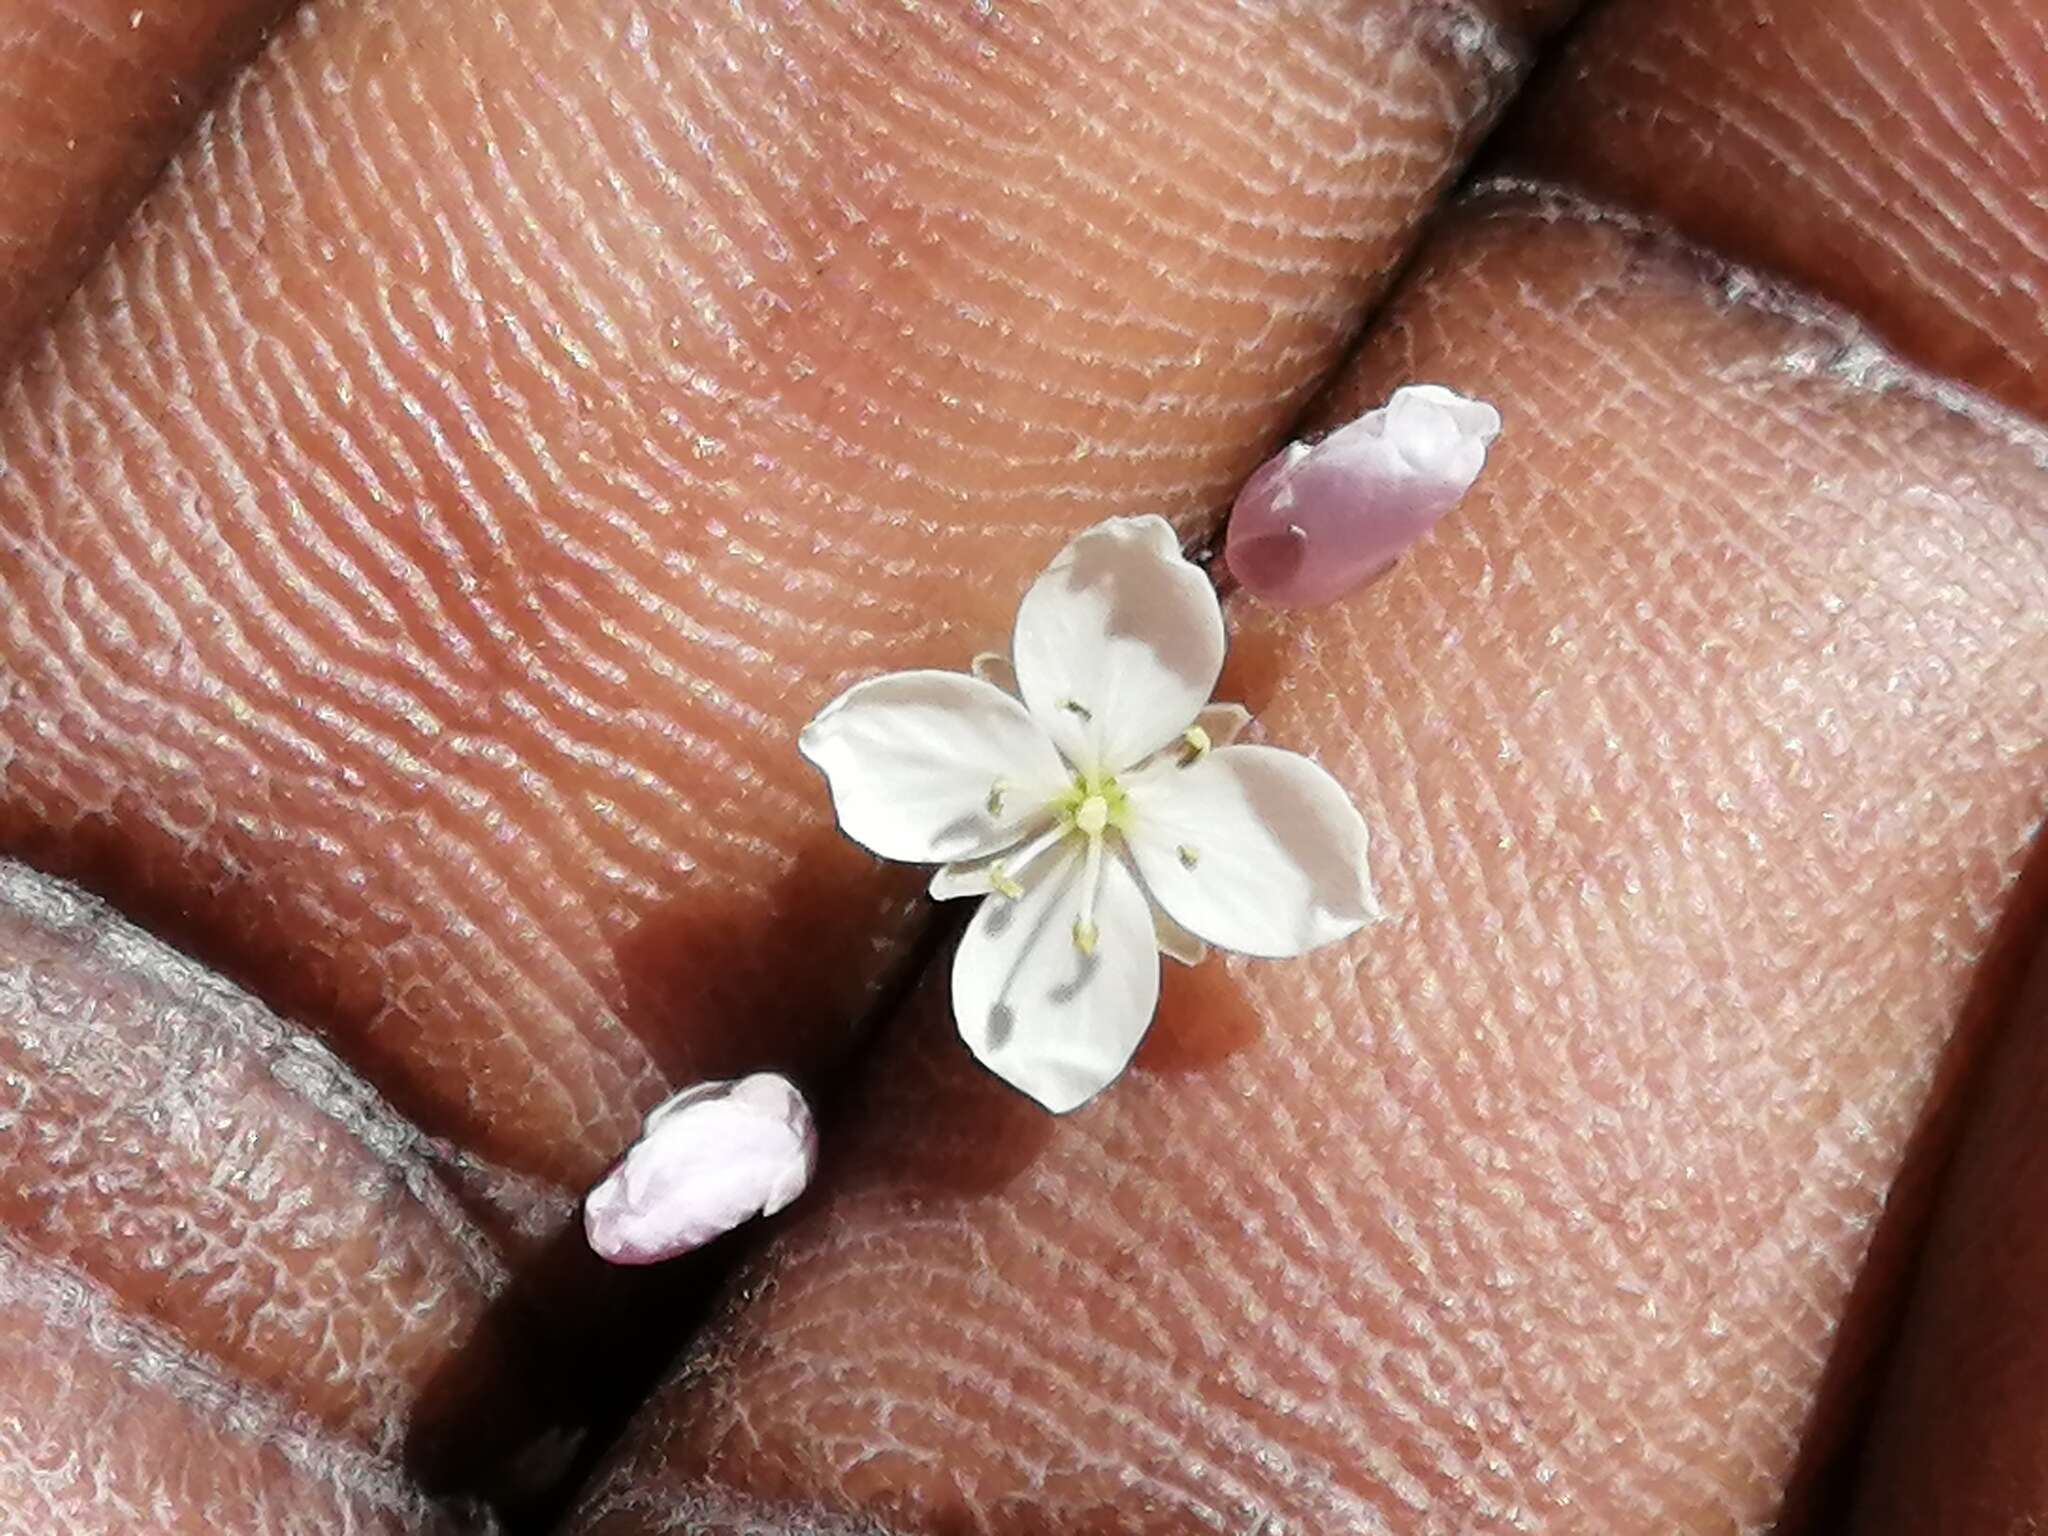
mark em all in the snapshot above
pixel 1092 815
pixel 1093 804
pixel 1092 807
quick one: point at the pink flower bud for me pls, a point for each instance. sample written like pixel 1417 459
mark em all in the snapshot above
pixel 708 1159
pixel 1317 519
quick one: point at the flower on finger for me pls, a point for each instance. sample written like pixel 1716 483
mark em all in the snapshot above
pixel 1089 790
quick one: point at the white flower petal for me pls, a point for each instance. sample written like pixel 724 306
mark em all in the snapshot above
pixel 930 766
pixel 1410 406
pixel 1003 871
pixel 1118 644
pixel 1175 942
pixel 1223 723
pixel 969 877
pixel 1047 1019
pixel 1254 849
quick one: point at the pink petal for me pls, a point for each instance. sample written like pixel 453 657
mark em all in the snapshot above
pixel 1315 521
pixel 710 1158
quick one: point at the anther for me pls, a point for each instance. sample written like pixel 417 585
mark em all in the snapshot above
pixel 1195 745
pixel 1190 855
pixel 1076 707
pixel 1004 874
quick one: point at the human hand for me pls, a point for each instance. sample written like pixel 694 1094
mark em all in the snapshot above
pixel 426 526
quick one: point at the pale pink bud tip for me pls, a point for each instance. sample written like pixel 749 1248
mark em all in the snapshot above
pixel 710 1158
pixel 1317 519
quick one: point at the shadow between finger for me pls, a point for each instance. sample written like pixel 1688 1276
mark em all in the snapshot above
pixel 1823 1484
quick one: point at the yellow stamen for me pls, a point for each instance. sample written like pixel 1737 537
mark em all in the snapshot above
pixel 1004 874
pixel 1195 746
pixel 1091 819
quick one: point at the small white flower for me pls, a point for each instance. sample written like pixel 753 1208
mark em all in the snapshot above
pixel 1094 798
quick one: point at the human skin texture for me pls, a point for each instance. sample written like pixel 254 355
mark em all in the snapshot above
pixel 94 95
pixel 227 1273
pixel 1701 749
pixel 231 1198
pixel 1887 154
pixel 106 1430
pixel 1958 1443
pixel 206 1163
pixel 424 535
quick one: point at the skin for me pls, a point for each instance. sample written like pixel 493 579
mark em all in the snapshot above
pixel 129 1071
pixel 575 463
pixel 426 524
pixel 1539 1206
pixel 94 96
pixel 564 466
pixel 103 1438
pixel 1957 1442
pixel 1878 153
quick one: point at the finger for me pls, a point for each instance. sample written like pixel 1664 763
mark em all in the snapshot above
pixel 1698 749
pixel 1880 154
pixel 106 1429
pixel 228 1275
pixel 93 96
pixel 1870 153
pixel 1958 1443
pixel 428 530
